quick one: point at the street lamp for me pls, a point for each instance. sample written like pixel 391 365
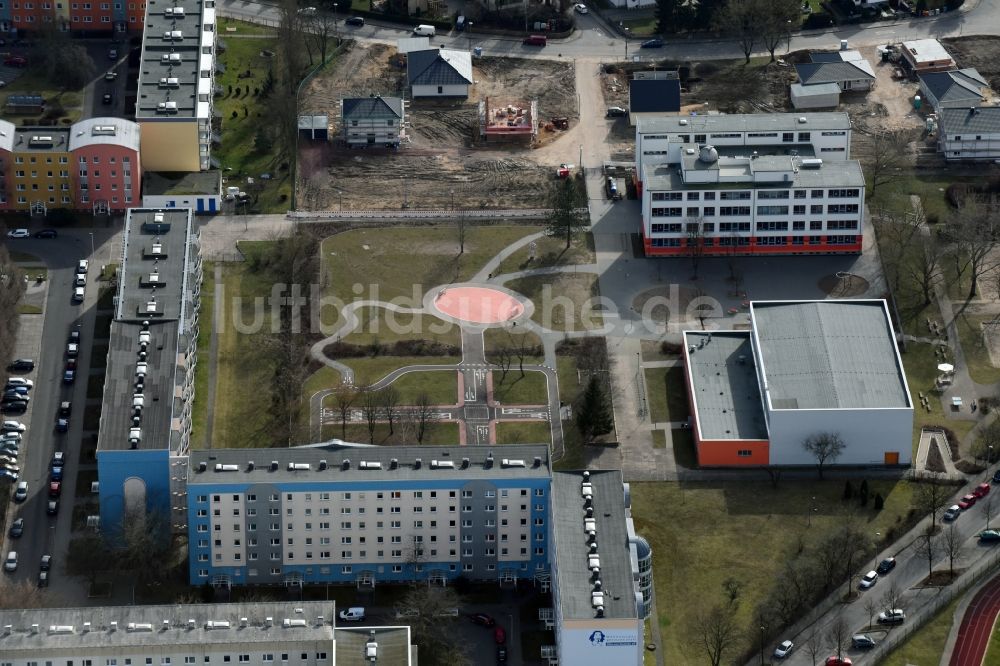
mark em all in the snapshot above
pixel 762 645
pixel 336 28
pixel 91 243
pixel 340 197
pixel 453 199
pixel 468 31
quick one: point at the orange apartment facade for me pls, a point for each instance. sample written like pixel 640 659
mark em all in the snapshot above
pixel 72 15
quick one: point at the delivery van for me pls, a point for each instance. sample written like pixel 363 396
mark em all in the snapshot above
pixel 424 31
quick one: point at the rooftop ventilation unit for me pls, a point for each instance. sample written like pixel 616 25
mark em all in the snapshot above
pixel 145 337
pixel 371 651
pixel 682 121
pixel 597 599
pixel 589 525
pixel 322 465
pixel 811 163
pixel 803 120
pixel 170 58
pixel 41 140
pixel 103 130
pixel 191 623
pixel 114 625
pixel 173 35
pixel 34 628
pixel 139 626
pixel 226 468
pixel 243 622
pixel 442 464
pixel 489 460
pixel 590 512
pixel 217 624
pixel 137 400
pixel 159 218
pixel 538 461
pixel 587 490
pixel 365 464
pixel 511 462
pixel 594 563
pixel 86 627
pixel 166 107
pixel 134 437
pixel 345 463
pixel 61 629
pixel 174 11
pixel 170 82
pixel 145 325
pixel 166 625
pixel 465 463
pixel 250 465
pixel 393 463
pixel 586 475
pixel 268 621
pixel 600 611
pixel 416 463
pixel 274 465
pixel 297 622
pixel 157 248
pixel 298 467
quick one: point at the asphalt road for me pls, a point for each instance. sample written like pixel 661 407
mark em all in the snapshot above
pixel 44 534
pixel 595 41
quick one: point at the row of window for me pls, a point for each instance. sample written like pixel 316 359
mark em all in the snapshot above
pixel 467 567
pixel 836 193
pixel 396 553
pixel 731 241
pixel 395 494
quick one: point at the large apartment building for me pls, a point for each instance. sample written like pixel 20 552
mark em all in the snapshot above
pixel 332 513
pixel 77 16
pixel 176 84
pixel 91 166
pixel 749 184
pixel 145 425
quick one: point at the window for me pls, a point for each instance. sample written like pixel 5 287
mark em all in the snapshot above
pixel 799 226
pixel 666 212
pixel 815 210
pixel 816 194
pixel 800 194
pixel 744 453
pixel 667 196
pixel 815 225
pixel 798 210
pixel 842 208
pixel 772 210
pixel 772 226
pixel 739 195
pixel 772 194
pixel 733 210
pixel 692 211
pixel 840 225
pixel 787 137
pixel 844 193
pixel 659 229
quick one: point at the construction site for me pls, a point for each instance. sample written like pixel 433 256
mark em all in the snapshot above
pixel 450 153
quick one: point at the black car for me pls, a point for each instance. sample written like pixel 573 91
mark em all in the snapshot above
pixel 65 408
pixel 886 565
pixel 14 407
pixel 17 529
pixel 107 98
pixel 52 508
pixel 21 365
pixel 996 476
pixel 655 43
pixel 482 619
pixel 616 112
pixel 46 233
pixel 354 20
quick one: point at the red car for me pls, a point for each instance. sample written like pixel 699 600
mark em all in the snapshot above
pixel 838 661
pixel 982 490
pixel 15 61
pixel 500 636
pixel 55 488
pixel 966 502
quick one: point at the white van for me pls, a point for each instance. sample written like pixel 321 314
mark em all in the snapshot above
pixel 424 31
pixel 353 614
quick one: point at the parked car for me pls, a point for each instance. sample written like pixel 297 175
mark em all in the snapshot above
pixel 112 54
pixel 654 43
pixel 43 579
pixel 14 407
pixel 838 661
pixel 886 565
pixel 69 376
pixel 10 564
pixel 65 408
pixel 535 40
pixel 16 530
pixel 82 266
pixel 18 233
pixel 72 349
pixel 894 616
pixel 57 473
pixel 21 492
pixel 482 619
pixel 78 293
pixel 13 426
pixel 951 513
pixel 616 112
pixel 55 488
pixel 581 8
pixel 46 233
pixel 21 365
pixel 784 649
pixel 58 459
pixel 996 476
pixel 862 642
pixel 357 21
pixel 107 98
pixel 17 389
pixel 989 536
pixel 352 614
pixel 15 61
pixel 111 75
pixel 499 635
pixel 307 11
pixel 13 394
pixel 7 475
pixel 967 501
pixel 20 381
pixel 982 490
pixel 52 507
pixel 869 579
pixel 46 563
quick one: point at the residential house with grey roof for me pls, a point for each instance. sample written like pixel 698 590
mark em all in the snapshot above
pixel 804 368
pixel 969 133
pixel 372 121
pixel 958 87
pixel 439 73
pixel 848 69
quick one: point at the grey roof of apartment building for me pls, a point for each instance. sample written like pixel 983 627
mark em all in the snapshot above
pixel 958 87
pixel 724 381
pixel 41 140
pixel 439 67
pixel 326 462
pixel 63 630
pixel 393 645
pixel 837 354
pixel 372 108
pixel 153 67
pixel 654 95
pixel 574 578
pixel 136 286
pixel 842 173
pixel 752 122
pixel 980 119
pixel 831 72
pixel 162 183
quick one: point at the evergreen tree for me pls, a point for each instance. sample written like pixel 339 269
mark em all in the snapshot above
pixel 673 15
pixel 863 493
pixel 593 414
pixel 848 490
pixel 879 502
pixel 565 217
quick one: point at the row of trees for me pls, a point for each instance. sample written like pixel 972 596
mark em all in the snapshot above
pixel 11 291
pixel 383 405
pixel 752 23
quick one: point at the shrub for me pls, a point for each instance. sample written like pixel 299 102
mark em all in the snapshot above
pixel 955 194
pixel 817 20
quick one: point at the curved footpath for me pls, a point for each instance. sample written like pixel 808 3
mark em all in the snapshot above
pixel 977 626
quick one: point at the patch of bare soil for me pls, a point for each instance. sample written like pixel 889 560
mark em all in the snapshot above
pixel 843 286
pixel 735 87
pixel 440 166
pixel 982 52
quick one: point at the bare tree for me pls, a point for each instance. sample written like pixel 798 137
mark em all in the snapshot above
pixel 888 149
pixel 814 646
pixel 776 20
pixel 461 227
pixel 504 356
pixel 716 633
pixel 896 237
pixel 388 399
pixel 371 407
pixel 987 507
pixel 344 397
pixel 929 498
pixel 924 267
pixel 951 544
pixel 871 608
pixel 891 597
pixel 321 26
pixel 20 594
pixel 733 588
pixel 423 411
pixel 838 634
pixel 825 447
pixel 429 611
pixel 695 244
pixel 739 20
pixel 974 231
pixel 926 547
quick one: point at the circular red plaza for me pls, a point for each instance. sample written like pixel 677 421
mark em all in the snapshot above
pixel 478 305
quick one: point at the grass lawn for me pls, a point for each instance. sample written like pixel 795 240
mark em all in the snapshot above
pixel 524 432
pixel 750 529
pixel 29 309
pixel 22 256
pixel 970 335
pixel 551 251
pixel 368 370
pixel 237 151
pixel 400 265
pixel 926 646
pixel 569 380
pixel 441 387
pixel 574 455
pixel 440 433
pixel 199 411
pixel 242 28
pixel 563 302
pixel 640 27
pixel 33 82
pixel 931 189
pixel 34 271
pixel 385 327
pixel 652 350
pixel 324 378
pixel 659 439
pixel 920 365
pixel 667 394
pixel 498 338
pixel 517 390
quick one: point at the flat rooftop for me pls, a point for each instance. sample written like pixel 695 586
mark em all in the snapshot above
pixel 337 462
pixel 745 122
pixel 830 174
pixel 724 381
pixel 63 629
pixel 155 256
pixel 836 354
pixel 393 645
pixel 172 60
pixel 41 140
pixel 925 50
pixel 162 183
pixel 572 546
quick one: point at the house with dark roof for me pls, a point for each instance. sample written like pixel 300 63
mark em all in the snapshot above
pixel 971 133
pixel 959 87
pixel 439 73
pixel 848 69
pixel 372 121
pixel 652 94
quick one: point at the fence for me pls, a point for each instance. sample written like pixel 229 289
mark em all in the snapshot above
pixel 246 16
pixel 478 214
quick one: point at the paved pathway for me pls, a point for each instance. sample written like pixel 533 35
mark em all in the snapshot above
pixel 977 626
